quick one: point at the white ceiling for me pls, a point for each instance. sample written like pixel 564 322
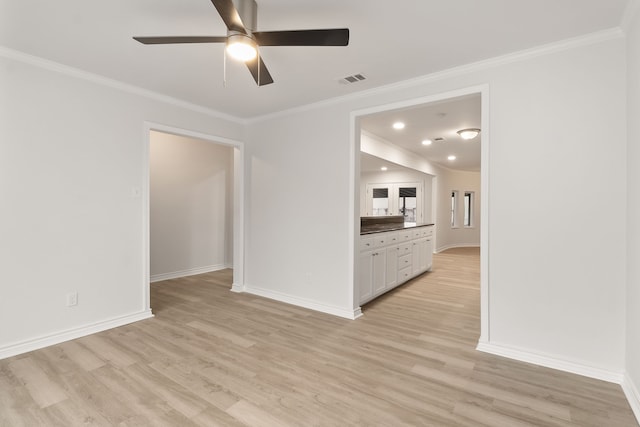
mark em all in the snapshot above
pixel 390 42
pixel 430 121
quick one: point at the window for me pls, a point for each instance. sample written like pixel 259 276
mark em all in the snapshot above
pixel 408 203
pixel 454 209
pixel 468 209
pixel 380 201
pixel 395 198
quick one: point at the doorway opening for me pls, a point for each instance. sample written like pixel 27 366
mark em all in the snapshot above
pixel 194 183
pixel 437 157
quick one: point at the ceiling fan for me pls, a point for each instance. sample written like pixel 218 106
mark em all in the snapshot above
pixel 242 39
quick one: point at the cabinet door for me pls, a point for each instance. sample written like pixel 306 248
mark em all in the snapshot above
pixel 392 267
pixel 429 254
pixel 419 256
pixel 365 279
pixel 379 260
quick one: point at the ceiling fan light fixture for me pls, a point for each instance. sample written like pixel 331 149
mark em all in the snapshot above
pixel 468 133
pixel 241 47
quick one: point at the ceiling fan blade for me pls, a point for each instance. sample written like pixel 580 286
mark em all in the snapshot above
pixel 180 39
pixel 328 37
pixel 263 77
pixel 229 14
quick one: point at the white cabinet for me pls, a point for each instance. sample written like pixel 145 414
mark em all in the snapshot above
pixel 389 259
pixel 391 274
pixel 418 250
pixel 365 276
pixel 429 257
pixel 379 258
pixel 373 274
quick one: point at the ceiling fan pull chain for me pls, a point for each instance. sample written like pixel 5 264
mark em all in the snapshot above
pixel 224 68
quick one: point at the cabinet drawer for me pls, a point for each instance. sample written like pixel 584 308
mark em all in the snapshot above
pixel 366 243
pixel 404 275
pixel 404 249
pixel 426 231
pixel 404 261
pixel 384 239
pixel 405 235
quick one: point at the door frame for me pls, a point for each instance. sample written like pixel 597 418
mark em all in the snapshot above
pixel 238 202
pixel 354 188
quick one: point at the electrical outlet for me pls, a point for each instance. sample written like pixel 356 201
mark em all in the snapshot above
pixel 72 299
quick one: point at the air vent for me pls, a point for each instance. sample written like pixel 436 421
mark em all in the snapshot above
pixel 353 79
pixel 439 139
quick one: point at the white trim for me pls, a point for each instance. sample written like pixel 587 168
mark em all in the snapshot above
pixel 633 6
pixel 184 273
pixel 238 198
pixel 70 334
pixel 523 55
pixel 114 84
pixel 632 393
pixel 353 213
pixel 238 289
pixel 552 361
pixel 456 245
pixel 302 302
pixel 584 40
pixel 354 227
pixel 485 164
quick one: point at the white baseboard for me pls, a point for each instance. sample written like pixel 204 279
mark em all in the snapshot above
pixel 300 302
pixel 459 245
pixel 184 273
pixel 70 334
pixel 633 395
pixel 237 288
pixel 550 361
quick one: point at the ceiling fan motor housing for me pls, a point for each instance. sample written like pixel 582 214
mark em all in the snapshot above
pixel 248 13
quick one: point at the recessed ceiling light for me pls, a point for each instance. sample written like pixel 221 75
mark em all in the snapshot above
pixel 427 142
pixel 384 168
pixel 452 158
pixel 398 125
pixel 468 133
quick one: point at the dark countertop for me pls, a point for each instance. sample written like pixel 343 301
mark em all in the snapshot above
pixel 381 228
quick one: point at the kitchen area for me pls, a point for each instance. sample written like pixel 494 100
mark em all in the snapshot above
pixel 419 190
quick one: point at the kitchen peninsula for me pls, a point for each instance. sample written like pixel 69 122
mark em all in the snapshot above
pixel 391 253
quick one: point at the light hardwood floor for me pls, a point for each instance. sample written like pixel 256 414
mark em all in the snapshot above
pixel 214 358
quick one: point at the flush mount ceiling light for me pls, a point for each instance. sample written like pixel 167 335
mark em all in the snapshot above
pixel 427 142
pixel 451 158
pixel 398 125
pixel 241 47
pixel 468 133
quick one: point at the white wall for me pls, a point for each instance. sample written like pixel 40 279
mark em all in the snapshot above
pixel 633 214
pixel 297 235
pixel 446 236
pixel 71 154
pixel 191 223
pixel 553 291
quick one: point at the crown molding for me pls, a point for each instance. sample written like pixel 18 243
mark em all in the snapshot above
pixel 562 45
pixel 523 55
pixel 57 67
